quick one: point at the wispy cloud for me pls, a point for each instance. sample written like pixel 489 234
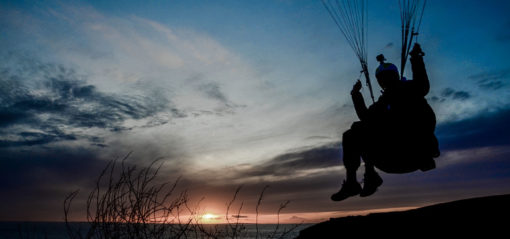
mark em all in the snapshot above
pixel 491 80
pixel 124 74
pixel 292 163
pixel 456 95
pixel 46 103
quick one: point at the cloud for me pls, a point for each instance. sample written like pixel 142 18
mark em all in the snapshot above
pixel 456 95
pixel 449 94
pixel 213 91
pixel 491 80
pixel 38 179
pixel 484 129
pixel 389 45
pixel 318 137
pixel 289 164
pixel 53 103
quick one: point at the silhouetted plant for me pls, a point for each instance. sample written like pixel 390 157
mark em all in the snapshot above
pixel 128 202
pixel 131 204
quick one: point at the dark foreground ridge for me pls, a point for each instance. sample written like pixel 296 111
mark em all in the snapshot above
pixel 486 216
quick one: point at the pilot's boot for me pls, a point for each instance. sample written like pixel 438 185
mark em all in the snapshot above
pixel 349 188
pixel 371 182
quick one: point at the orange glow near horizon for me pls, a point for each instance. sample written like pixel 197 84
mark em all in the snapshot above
pixel 210 217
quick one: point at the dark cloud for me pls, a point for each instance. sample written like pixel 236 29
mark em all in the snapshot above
pixel 434 98
pixel 491 80
pixel 492 85
pixel 484 129
pixel 36 180
pixel 34 138
pixel 450 94
pixel 213 91
pixel 288 163
pixel 456 95
pixel 33 168
pixel 40 102
pixel 178 113
pixel 315 137
pixel 389 45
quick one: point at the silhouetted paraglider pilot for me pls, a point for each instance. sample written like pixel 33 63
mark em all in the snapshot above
pixel 395 134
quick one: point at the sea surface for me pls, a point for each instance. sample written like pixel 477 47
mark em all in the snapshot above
pixel 57 230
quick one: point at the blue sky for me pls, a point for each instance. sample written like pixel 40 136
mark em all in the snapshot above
pixel 237 92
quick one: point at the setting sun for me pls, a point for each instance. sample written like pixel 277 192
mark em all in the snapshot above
pixel 209 218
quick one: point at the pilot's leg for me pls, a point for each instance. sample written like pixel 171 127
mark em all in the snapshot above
pixel 351 145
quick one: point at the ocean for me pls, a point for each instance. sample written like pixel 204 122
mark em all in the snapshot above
pixel 57 230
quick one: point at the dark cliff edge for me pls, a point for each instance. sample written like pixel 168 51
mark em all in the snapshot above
pixel 488 217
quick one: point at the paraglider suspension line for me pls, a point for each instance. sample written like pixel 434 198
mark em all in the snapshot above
pixel 408 11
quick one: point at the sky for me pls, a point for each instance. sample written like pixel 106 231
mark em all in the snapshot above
pixel 230 93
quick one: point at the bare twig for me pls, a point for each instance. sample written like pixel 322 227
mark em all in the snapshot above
pixel 257 211
pixel 129 202
pixel 67 205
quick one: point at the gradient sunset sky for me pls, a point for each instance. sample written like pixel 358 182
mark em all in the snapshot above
pixel 231 93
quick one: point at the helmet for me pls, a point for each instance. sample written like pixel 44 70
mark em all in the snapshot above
pixel 387 75
pixel 386 68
